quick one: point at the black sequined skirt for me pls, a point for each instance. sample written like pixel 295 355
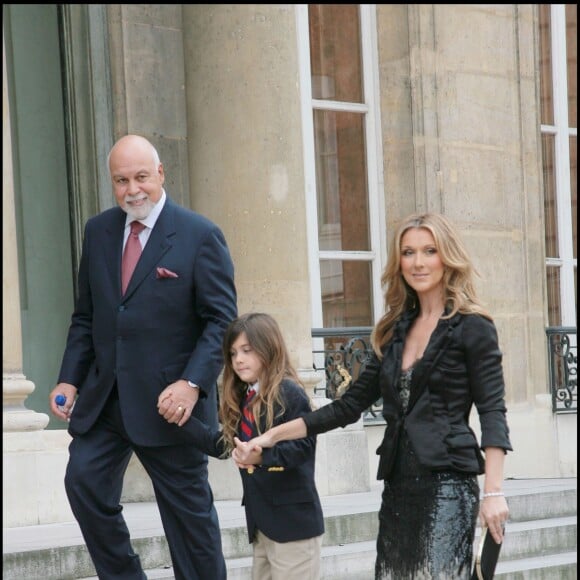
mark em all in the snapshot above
pixel 426 522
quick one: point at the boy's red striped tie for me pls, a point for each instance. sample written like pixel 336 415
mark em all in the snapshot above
pixel 247 422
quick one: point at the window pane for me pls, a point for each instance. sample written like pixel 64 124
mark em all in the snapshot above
pixel 346 293
pixel 573 189
pixel 550 209
pixel 343 222
pixel 554 314
pixel 572 57
pixel 335 52
pixel 546 98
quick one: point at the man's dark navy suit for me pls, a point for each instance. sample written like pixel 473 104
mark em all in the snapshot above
pixel 121 352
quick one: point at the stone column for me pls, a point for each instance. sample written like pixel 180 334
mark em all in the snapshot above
pixel 15 387
pixel 26 461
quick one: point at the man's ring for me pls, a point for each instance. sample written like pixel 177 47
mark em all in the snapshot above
pixel 180 408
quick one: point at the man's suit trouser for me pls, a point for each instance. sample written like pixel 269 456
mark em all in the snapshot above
pixel 94 481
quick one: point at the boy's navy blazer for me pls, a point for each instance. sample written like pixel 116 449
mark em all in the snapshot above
pixel 461 367
pixel 280 496
pixel 163 328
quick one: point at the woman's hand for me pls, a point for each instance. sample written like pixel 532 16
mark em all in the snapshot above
pixel 493 509
pixel 493 514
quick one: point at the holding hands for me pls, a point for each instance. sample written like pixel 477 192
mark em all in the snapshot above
pixel 248 453
pixel 177 401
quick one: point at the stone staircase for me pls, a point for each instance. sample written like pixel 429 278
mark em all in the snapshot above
pixel 540 538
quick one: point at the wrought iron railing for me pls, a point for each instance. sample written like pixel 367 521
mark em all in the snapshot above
pixel 562 364
pixel 342 353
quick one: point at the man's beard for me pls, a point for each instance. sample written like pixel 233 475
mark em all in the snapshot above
pixel 138 213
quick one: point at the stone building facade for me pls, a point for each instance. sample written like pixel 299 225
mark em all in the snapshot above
pixel 450 117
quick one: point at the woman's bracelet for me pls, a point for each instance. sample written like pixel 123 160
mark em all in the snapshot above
pixel 493 494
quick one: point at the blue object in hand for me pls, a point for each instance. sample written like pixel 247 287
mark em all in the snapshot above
pixel 60 400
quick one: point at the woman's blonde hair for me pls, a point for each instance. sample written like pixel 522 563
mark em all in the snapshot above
pixel 265 338
pixel 458 277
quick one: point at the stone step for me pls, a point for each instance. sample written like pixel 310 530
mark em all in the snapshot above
pixel 539 504
pixel 562 566
pixel 537 550
pixel 533 518
pixel 523 539
pixel 356 562
pixel 539 537
pixel 542 525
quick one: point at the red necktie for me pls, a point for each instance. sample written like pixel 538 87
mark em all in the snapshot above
pixel 247 422
pixel 131 254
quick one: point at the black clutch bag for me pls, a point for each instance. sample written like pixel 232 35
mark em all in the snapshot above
pixel 486 557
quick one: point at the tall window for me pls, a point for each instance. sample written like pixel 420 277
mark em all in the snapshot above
pixel 559 125
pixel 338 84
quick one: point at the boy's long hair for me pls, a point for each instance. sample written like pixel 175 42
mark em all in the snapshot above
pixel 265 338
pixel 459 273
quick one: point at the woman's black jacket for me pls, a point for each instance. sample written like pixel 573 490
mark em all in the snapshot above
pixel 461 366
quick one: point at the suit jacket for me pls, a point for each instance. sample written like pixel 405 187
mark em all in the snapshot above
pixel 163 329
pixel 280 496
pixel 460 367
